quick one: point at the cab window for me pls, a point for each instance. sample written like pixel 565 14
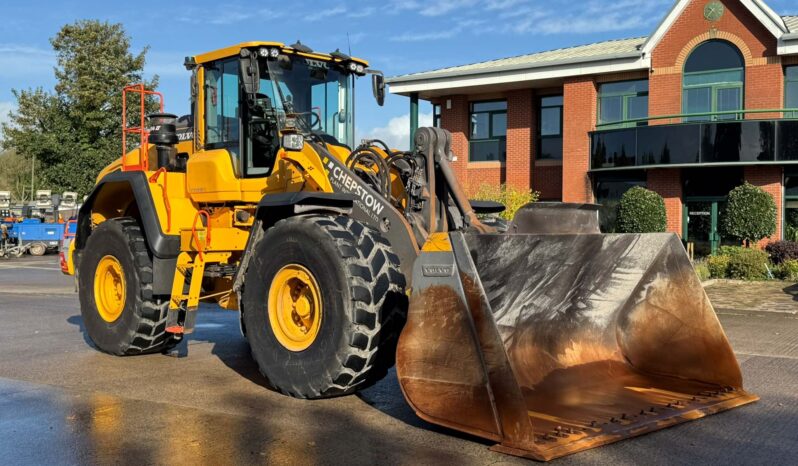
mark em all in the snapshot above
pixel 221 106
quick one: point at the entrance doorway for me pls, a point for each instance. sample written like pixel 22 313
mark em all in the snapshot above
pixel 701 224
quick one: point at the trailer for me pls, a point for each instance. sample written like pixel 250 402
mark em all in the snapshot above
pixel 34 236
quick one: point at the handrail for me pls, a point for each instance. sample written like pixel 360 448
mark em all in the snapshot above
pixel 143 164
pixel 682 116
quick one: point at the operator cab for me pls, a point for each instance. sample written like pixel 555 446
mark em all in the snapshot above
pixel 258 98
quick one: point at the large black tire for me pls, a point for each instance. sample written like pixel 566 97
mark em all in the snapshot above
pixel 364 306
pixel 141 327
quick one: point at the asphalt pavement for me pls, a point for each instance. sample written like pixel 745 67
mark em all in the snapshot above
pixel 62 402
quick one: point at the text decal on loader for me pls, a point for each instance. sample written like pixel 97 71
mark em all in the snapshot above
pixel 345 182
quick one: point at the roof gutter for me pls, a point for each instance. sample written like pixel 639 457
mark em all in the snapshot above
pixel 515 67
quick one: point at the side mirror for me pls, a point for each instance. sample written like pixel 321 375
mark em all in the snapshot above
pixel 378 88
pixel 250 76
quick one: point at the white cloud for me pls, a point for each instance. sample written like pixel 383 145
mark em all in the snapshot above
pixel 363 12
pixel 324 13
pixel 397 132
pixel 23 60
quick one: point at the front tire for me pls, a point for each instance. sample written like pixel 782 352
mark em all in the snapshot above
pixel 345 294
pixel 120 314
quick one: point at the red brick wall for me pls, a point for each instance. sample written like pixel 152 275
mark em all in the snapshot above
pixel 519 138
pixel 770 179
pixel 667 182
pixel 547 180
pixel 455 120
pixel 764 76
pixel 580 118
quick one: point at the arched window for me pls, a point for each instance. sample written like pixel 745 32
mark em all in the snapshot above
pixel 714 78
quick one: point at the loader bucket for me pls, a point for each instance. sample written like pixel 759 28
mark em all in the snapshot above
pixel 549 344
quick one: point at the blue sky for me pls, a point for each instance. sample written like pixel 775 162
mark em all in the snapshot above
pixel 396 36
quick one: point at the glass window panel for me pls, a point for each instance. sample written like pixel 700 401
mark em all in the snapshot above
pixel 718 77
pixel 487 151
pixel 637 107
pixel 230 101
pixel 611 109
pixel 624 87
pixel 488 106
pixel 714 55
pixel 614 149
pixel 213 121
pixel 729 99
pixel 551 101
pixel 791 97
pixel 791 73
pixel 791 183
pixel 550 149
pixel 665 145
pixel 480 128
pixel 752 141
pixel 499 125
pixel 788 140
pixel 698 100
pixel 711 181
pixel 551 121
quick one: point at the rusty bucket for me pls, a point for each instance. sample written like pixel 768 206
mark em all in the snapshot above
pixel 550 340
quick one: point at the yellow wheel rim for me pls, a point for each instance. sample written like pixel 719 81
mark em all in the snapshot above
pixel 295 308
pixel 109 288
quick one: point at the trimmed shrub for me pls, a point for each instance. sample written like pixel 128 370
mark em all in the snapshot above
pixel 642 211
pixel 718 266
pixel 702 270
pixel 787 270
pixel 750 214
pixel 730 250
pixel 781 251
pixel 512 198
pixel 749 264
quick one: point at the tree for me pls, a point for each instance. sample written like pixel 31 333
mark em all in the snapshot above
pixel 750 214
pixel 75 131
pixel 15 176
pixel 642 211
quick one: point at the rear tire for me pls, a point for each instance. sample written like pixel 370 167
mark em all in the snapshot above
pixel 363 306
pixel 140 327
pixel 38 249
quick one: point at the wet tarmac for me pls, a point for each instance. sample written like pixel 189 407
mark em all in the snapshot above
pixel 62 402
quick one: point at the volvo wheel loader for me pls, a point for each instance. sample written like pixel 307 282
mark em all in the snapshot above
pixel 542 335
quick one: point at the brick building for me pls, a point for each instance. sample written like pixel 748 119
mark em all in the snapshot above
pixel 691 111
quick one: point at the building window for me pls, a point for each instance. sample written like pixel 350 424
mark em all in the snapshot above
pixel 488 138
pixel 608 189
pixel 791 89
pixel 714 78
pixel 436 115
pixel 791 205
pixel 550 128
pixel 622 101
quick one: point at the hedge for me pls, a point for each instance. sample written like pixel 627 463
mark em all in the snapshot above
pixel 641 211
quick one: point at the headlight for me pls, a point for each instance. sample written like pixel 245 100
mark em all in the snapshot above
pixel 263 52
pixel 274 53
pixel 293 141
pixel 352 66
pixel 360 69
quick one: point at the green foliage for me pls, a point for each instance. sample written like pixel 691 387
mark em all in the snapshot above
pixel 642 211
pixel 512 198
pixel 749 264
pixel 750 214
pixel 15 175
pixel 702 270
pixel 787 270
pixel 718 266
pixel 781 251
pixel 76 131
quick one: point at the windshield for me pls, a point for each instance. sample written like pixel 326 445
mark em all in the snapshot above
pixel 315 91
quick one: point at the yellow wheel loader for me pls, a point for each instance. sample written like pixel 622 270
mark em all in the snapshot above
pixel 541 334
